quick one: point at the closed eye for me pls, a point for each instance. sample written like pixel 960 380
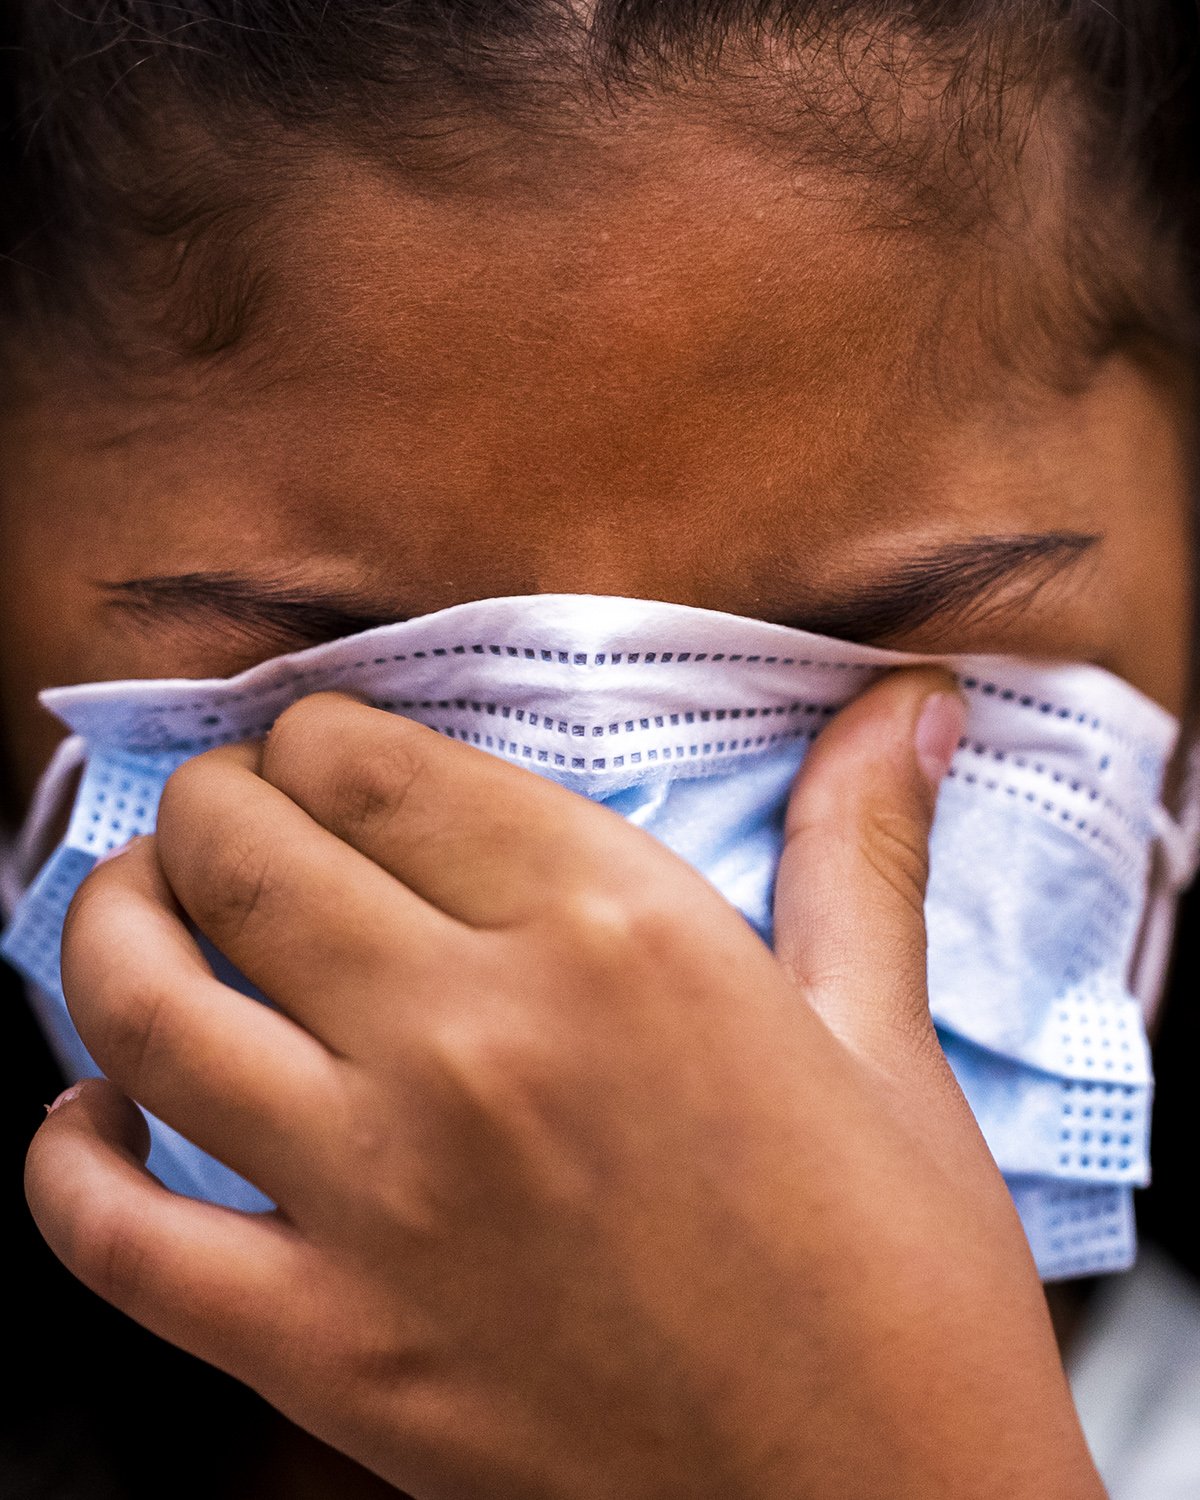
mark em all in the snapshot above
pixel 981 578
pixel 985 578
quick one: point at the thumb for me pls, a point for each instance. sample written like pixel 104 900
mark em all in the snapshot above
pixel 850 894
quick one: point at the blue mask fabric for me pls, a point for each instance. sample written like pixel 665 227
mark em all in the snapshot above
pixel 1054 866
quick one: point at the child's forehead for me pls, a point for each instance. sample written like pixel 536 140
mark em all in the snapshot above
pixel 667 234
pixel 820 260
pixel 637 336
pixel 684 375
pixel 681 325
pixel 689 377
pixel 685 371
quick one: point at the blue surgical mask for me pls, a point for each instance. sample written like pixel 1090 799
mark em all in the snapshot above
pixel 1054 867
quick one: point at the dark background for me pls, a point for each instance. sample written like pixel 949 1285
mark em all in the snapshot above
pixel 97 1409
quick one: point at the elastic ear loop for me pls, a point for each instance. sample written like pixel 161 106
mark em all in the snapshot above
pixel 1177 858
pixel 21 857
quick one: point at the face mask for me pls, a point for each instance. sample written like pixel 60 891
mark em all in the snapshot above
pixel 1054 868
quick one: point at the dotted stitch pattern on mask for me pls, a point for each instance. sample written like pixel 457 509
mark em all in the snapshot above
pixel 1085 798
pixel 1074 784
pixel 1046 707
pixel 697 750
pixel 1119 849
pixel 1039 1123
pixel 227 729
pixel 32 942
pixel 1105 1129
pixel 1085 1037
pixel 1080 1224
pixel 1128 851
pixel 118 800
pixel 332 674
pixel 1101 1033
pixel 1075 1226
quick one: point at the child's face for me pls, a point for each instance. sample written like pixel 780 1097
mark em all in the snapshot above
pixel 670 372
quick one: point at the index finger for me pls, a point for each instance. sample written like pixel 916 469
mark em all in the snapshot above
pixel 483 840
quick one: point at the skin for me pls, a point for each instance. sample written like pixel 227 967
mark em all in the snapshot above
pixel 679 373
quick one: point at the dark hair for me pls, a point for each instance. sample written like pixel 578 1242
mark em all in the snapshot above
pixel 126 122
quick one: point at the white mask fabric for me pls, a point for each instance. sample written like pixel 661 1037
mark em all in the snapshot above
pixel 1051 855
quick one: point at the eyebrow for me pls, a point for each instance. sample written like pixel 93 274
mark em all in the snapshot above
pixel 248 606
pixel 967 581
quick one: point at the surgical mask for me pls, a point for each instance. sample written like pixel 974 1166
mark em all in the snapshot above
pixel 1054 867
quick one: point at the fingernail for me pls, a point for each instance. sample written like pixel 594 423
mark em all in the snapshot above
pixel 938 732
pixel 65 1097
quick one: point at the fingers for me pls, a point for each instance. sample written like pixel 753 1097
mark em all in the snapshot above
pixel 232 1075
pixel 309 920
pixel 481 839
pixel 211 1280
pixel 849 906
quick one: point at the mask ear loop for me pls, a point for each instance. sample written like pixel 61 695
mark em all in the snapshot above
pixel 22 856
pixel 1177 858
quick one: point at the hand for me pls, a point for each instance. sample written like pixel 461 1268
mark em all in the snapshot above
pixel 582 1191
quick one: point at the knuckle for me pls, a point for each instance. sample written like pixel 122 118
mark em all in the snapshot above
pixel 365 1133
pixel 489 1069
pixel 617 928
pixel 369 790
pixel 470 1050
pixel 896 848
pixel 374 1355
pixel 124 1025
pixel 321 736
pixel 110 1256
pixel 236 889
